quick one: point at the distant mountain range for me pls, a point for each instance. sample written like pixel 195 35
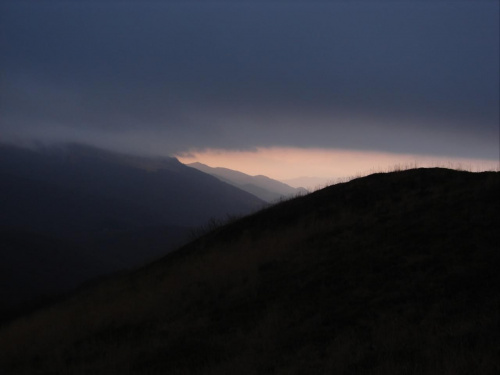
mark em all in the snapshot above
pixel 263 187
pixel 393 273
pixel 310 183
pixel 74 212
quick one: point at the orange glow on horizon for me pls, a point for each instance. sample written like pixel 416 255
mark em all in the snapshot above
pixel 286 163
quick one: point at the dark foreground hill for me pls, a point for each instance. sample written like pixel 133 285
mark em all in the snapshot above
pixel 389 274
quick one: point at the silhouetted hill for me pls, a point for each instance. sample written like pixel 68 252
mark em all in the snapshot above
pixel 263 187
pixel 387 274
pixel 117 211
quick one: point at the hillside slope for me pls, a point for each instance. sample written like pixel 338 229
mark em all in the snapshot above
pixel 387 274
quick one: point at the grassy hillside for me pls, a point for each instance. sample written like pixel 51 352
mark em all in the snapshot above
pixel 388 274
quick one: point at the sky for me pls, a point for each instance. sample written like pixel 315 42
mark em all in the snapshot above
pixel 289 88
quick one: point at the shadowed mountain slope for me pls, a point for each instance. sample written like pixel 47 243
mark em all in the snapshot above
pixel 263 187
pixel 72 212
pixel 109 191
pixel 387 274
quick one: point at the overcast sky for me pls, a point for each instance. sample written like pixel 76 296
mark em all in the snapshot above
pixel 403 77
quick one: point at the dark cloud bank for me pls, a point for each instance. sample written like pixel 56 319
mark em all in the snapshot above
pixel 164 77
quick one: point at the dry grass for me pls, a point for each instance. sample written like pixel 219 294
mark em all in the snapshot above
pixel 390 274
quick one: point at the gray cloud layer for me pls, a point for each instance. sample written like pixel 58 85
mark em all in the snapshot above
pixel 162 77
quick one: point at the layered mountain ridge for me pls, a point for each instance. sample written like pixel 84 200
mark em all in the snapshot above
pixel 265 188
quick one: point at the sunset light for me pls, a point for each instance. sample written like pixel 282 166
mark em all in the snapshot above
pixel 312 168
